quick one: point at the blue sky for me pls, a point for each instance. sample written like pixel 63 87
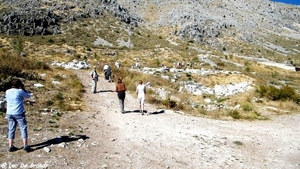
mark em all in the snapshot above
pixel 294 2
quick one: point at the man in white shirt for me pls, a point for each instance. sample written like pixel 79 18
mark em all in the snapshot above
pixel 94 76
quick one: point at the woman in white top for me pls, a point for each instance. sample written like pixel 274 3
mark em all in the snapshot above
pixel 141 92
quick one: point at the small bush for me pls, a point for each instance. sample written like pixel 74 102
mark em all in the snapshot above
pixel 221 64
pixel 234 114
pixel 247 69
pixel 188 75
pixel 49 102
pixel 238 143
pixel 18 45
pixel 247 107
pixel 262 90
pixel 59 96
pixel 288 93
pixel 50 41
pixel 58 77
pixel 284 93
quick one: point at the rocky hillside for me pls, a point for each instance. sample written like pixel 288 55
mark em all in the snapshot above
pixel 215 49
pixel 44 17
pixel 218 22
pixel 215 23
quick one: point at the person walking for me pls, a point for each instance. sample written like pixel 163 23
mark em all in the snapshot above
pixel 107 72
pixel 141 92
pixel 15 114
pixel 120 89
pixel 94 76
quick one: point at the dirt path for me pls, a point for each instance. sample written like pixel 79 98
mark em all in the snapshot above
pixel 164 139
pixel 171 140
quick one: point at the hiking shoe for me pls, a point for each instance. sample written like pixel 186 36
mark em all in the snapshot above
pixel 12 149
pixel 27 149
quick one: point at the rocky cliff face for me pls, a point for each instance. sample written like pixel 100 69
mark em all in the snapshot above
pixel 44 17
pixel 203 22
pixel 207 20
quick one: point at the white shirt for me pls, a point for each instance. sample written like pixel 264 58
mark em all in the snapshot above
pixel 141 89
pixel 94 74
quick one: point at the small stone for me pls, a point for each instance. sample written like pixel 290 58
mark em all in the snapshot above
pixel 47 149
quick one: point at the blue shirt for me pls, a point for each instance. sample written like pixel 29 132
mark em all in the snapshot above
pixel 15 98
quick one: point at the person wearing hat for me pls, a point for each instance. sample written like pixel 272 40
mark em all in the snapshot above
pixel 94 76
pixel 120 89
pixel 107 72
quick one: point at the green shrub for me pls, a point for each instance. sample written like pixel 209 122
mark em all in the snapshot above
pixel 188 75
pixel 262 90
pixel 238 143
pixel 247 69
pixel 18 44
pixel 284 93
pixel 288 93
pixel 58 77
pixel 49 102
pixel 50 41
pixel 59 96
pixel 221 64
pixel 234 114
pixel 247 107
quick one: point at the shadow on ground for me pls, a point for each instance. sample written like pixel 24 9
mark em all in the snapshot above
pixel 145 111
pixel 102 91
pixel 57 140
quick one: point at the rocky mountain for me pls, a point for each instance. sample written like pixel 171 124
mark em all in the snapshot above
pixel 210 22
pixel 44 17
pixel 216 23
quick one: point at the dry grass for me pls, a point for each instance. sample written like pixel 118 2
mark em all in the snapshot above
pixel 283 107
pixel 152 49
pixel 66 95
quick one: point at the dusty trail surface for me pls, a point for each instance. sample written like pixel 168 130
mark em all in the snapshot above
pixel 164 139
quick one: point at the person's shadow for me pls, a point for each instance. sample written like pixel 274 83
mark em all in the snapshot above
pixel 145 111
pixel 57 140
pixel 102 91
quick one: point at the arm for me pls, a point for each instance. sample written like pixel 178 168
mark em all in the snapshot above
pixel 91 74
pixel 25 93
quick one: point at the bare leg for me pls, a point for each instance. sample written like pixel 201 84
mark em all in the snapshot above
pixel 140 108
pixel 25 142
pixel 10 142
